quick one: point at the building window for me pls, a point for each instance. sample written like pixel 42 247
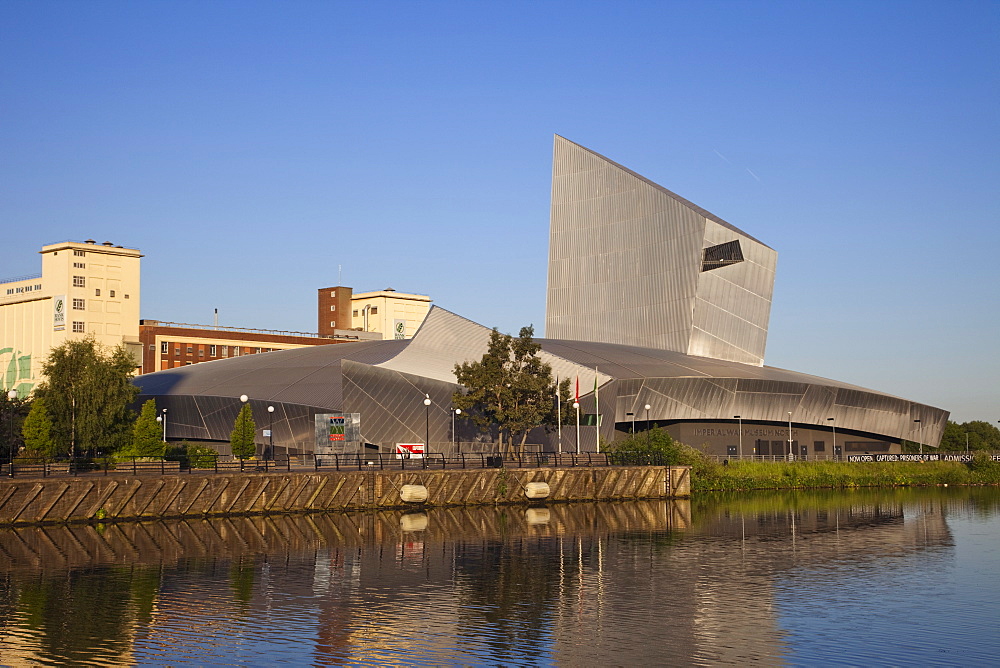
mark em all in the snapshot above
pixel 79 265
pixel 333 324
pixel 236 351
pixel 126 296
pixel 112 294
pixel 333 307
pixel 374 310
pixel 190 350
pixel 79 282
pixel 97 292
pixel 77 326
pixel 354 313
pixel 211 351
pixel 177 350
pixel 333 294
pixel 225 351
pixel 258 351
pixel 79 304
pixel 79 253
pixel 201 352
pixel 164 347
pixel 819 446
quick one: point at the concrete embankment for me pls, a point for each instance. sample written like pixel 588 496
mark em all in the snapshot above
pixel 127 497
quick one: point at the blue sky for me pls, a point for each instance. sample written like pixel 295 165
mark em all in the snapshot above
pixel 257 151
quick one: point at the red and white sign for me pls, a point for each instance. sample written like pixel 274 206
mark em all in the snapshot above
pixel 411 450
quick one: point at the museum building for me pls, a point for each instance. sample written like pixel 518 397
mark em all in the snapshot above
pixel 659 308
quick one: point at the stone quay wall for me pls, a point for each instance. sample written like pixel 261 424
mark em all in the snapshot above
pixel 98 498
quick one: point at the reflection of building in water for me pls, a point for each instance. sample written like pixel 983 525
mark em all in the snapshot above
pixel 573 584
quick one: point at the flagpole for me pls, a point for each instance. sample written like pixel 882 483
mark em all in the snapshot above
pixel 597 410
pixel 576 407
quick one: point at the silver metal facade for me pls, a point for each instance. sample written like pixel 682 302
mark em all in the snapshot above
pixel 626 266
pixel 386 383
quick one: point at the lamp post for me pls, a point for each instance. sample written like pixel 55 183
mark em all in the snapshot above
pixel 11 396
pixel 163 419
pixel 918 437
pixel 576 407
pixel 833 424
pixel 740 428
pixel 454 437
pixel 270 432
pixel 791 455
pixel 244 398
pixel 427 427
pixel 632 415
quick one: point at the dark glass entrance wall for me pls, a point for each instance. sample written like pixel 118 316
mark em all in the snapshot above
pixel 723 439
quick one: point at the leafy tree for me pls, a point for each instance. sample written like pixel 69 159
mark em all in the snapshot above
pixel 87 391
pixel 37 431
pixel 12 415
pixel 979 435
pixel 147 438
pixel 510 388
pixel 242 436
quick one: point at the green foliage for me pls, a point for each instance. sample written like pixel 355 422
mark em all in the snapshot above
pixel 147 435
pixel 201 456
pixel 88 391
pixel 977 434
pixel 146 441
pixel 37 432
pixel 12 415
pixel 242 436
pixel 510 388
pixel 751 475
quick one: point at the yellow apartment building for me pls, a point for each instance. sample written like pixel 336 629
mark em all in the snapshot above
pixel 85 288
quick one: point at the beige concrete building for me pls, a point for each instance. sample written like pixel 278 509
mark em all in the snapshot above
pixel 85 288
pixel 395 315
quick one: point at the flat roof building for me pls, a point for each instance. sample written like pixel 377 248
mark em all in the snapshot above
pixel 85 288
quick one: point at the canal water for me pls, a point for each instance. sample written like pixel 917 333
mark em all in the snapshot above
pixel 863 578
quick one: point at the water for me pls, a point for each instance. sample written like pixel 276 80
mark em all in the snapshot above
pixel 893 577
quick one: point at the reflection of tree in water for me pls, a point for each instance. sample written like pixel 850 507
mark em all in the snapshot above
pixel 512 588
pixel 84 614
pixel 241 579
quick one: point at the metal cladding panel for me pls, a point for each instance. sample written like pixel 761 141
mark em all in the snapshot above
pixel 733 304
pixel 392 407
pixel 625 259
pixel 620 251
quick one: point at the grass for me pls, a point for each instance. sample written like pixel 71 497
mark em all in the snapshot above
pixel 741 476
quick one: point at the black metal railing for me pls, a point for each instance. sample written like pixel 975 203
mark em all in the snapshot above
pixel 216 463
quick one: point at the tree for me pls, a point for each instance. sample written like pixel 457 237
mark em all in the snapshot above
pixel 87 391
pixel 242 436
pixel 510 388
pixel 147 438
pixel 37 431
pixel 979 435
pixel 12 415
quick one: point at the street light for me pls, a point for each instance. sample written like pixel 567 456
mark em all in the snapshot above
pixel 270 431
pixel 833 424
pixel 632 415
pixel 11 396
pixel 791 455
pixel 740 418
pixel 919 442
pixel 427 425
pixel 576 407
pixel 454 436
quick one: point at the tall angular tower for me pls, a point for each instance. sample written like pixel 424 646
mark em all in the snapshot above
pixel 632 263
